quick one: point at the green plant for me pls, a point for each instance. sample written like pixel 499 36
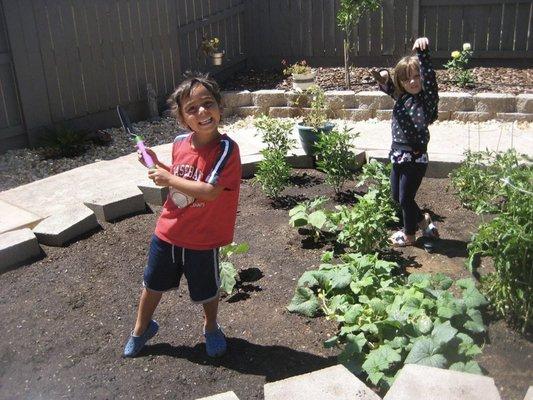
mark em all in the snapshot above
pixel 210 45
pixel 276 133
pixel 478 180
pixel 312 214
pixel 348 16
pixel 318 113
pixel 63 142
pixel 386 319
pixel 228 273
pixel 458 65
pixel 508 239
pixel 299 67
pixel 273 172
pixel 336 158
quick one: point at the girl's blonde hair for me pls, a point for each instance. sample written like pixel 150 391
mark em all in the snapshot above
pixel 401 72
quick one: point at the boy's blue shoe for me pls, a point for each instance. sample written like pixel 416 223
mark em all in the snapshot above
pixel 136 343
pixel 215 343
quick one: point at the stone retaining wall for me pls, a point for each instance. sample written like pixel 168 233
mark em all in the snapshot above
pixel 374 104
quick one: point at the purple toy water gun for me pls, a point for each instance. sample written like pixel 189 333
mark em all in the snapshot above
pixel 139 143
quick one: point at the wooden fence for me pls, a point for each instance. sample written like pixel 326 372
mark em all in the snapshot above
pixel 307 29
pixel 75 60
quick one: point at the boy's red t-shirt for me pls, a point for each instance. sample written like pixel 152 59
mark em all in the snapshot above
pixel 196 224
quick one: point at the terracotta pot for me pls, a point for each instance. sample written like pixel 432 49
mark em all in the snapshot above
pixel 303 81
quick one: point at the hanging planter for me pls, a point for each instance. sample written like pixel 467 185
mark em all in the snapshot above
pixel 216 58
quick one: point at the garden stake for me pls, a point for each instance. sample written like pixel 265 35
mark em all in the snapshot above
pixel 139 143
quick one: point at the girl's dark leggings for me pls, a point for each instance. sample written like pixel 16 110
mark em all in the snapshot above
pixel 405 180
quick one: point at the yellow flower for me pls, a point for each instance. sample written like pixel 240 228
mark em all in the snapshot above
pixel 456 54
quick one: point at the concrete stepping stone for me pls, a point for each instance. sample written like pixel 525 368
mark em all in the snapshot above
pixel 117 203
pixel 66 225
pixel 529 394
pixel 17 247
pixel 153 194
pixel 333 383
pixel 222 396
pixel 14 217
pixel 428 383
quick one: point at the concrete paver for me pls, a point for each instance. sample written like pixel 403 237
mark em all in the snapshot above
pixel 529 394
pixel 222 396
pixel 333 383
pixel 117 203
pixel 428 383
pixel 17 247
pixel 13 217
pixel 66 225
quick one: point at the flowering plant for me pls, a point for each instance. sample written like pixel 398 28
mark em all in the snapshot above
pixel 210 45
pixel 458 66
pixel 299 67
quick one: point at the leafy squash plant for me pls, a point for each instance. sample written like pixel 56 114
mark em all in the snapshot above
pixel 386 320
pixel 228 272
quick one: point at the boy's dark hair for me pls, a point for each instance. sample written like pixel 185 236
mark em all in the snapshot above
pixel 185 88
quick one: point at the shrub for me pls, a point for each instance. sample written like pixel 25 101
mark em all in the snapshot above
pixel 63 142
pixel 336 158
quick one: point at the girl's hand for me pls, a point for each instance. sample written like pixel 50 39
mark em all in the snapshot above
pixel 380 75
pixel 160 176
pixel 150 153
pixel 421 43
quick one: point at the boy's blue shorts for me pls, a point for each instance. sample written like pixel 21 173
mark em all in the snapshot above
pixel 167 263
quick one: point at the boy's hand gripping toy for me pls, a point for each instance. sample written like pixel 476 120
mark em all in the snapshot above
pixel 126 124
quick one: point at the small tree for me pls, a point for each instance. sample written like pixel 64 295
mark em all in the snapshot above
pixel 348 17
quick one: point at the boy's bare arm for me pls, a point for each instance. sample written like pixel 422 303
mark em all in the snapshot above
pixel 197 189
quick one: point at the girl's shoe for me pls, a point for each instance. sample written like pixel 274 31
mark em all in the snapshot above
pixel 399 239
pixel 135 343
pixel 215 342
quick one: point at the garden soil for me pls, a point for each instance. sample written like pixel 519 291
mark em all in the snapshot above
pixel 67 315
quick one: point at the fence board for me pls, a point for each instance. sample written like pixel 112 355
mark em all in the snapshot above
pixel 10 114
pixel 430 20
pixel 329 28
pixel 442 39
pixel 306 29
pixel 362 36
pixel 400 26
pixel 523 18
pixel 495 27
pixel 509 13
pixel 376 31
pixel 117 53
pixel 317 41
pixel 482 14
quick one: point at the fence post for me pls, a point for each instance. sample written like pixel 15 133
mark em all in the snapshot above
pixel 28 66
pixel 415 21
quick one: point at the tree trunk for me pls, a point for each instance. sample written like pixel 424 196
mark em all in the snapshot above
pixel 347 63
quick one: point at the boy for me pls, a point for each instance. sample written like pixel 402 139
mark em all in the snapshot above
pixel 198 216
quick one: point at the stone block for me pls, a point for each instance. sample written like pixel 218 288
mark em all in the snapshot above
pixel 117 203
pixel 384 115
pixel 471 116
pixel 298 159
pixel 13 217
pixel 518 117
pixel 249 164
pixel 333 383
pixel 153 194
pixel 244 112
pixel 17 247
pixel 232 99
pixel 340 99
pixel 444 115
pixel 269 98
pixel 356 114
pixel 529 394
pixel 284 112
pixel 374 100
pixel 222 396
pixel 494 102
pixel 297 99
pixel 228 112
pixel 455 101
pixel 66 225
pixel 524 103
pixel 421 382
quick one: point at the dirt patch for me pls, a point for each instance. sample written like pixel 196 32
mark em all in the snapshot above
pixel 67 316
pixel 487 79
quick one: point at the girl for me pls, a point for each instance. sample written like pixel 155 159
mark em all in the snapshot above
pixel 414 88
